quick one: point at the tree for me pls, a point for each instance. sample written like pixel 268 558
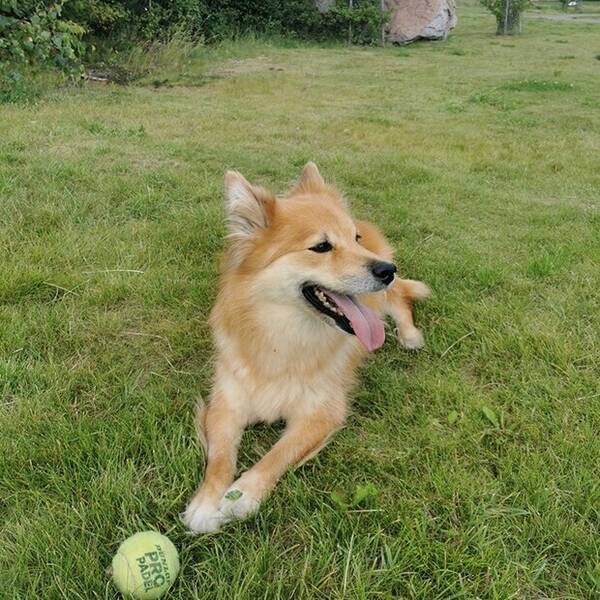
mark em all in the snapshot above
pixel 507 13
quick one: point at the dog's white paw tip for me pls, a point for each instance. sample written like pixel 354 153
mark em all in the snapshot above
pixel 412 341
pixel 236 504
pixel 201 519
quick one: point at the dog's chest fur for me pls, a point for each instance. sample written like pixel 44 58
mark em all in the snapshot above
pixel 285 366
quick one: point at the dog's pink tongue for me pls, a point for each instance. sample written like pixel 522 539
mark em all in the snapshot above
pixel 367 326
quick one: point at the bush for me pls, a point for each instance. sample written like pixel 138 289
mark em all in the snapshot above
pixel 35 34
pixel 32 37
pixel 102 17
pixel 507 13
pixel 210 19
pixel 218 19
pixel 362 24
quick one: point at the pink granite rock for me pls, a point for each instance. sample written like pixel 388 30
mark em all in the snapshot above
pixel 411 20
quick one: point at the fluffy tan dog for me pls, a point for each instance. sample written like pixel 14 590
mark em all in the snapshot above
pixel 301 300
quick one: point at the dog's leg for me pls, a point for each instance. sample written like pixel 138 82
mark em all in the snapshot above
pixel 222 427
pixel 302 439
pixel 399 299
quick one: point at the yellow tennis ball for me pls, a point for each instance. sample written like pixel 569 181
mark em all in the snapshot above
pixel 145 565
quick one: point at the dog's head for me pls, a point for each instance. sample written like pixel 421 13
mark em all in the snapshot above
pixel 305 249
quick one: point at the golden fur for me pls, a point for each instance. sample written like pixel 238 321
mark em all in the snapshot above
pixel 277 357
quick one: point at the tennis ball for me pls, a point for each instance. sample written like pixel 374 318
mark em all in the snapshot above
pixel 145 565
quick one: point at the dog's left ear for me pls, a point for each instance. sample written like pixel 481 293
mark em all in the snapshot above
pixel 310 180
pixel 249 207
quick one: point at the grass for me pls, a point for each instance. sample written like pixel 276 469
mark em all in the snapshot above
pixel 479 455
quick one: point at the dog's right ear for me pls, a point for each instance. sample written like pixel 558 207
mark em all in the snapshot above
pixel 249 208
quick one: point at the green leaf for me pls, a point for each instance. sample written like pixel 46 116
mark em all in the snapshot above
pixel 362 493
pixel 491 416
pixel 339 499
pixel 234 495
pixel 452 417
pixel 6 21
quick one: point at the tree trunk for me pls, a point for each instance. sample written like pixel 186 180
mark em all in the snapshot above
pixel 509 23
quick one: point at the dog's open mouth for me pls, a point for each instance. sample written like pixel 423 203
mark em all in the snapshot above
pixel 348 314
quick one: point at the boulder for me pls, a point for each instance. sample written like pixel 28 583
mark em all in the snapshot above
pixel 411 20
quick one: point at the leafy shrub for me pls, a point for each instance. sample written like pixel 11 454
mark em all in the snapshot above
pixel 102 17
pixel 362 23
pixel 33 36
pixel 507 13
pixel 209 19
pixel 218 19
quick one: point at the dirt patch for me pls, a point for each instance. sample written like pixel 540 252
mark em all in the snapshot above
pixel 568 18
pixel 248 65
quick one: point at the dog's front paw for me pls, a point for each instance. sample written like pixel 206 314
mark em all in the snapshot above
pixel 200 517
pixel 238 502
pixel 412 339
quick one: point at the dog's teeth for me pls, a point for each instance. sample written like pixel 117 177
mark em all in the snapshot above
pixel 332 308
pixel 324 300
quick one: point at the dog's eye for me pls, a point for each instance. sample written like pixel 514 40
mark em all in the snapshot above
pixel 322 247
pixel 358 237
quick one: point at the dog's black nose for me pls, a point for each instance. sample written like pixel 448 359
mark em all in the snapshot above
pixel 384 271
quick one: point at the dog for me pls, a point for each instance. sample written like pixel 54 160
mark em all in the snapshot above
pixel 303 291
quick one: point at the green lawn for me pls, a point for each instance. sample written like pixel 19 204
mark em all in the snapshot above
pixel 480 157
